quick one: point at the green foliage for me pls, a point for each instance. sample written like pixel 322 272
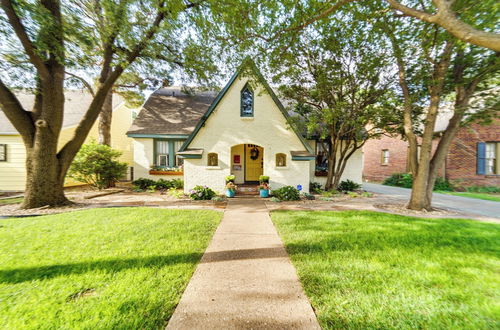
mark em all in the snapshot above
pixel 174 192
pixel 230 178
pixel 275 199
pixel 404 180
pixel 308 196
pixel 97 165
pixel 329 193
pixel 443 184
pixel 143 183
pixel 315 187
pixel 484 189
pixel 348 185
pixel 201 193
pixel 161 184
pixel 423 271
pixel 264 178
pixel 218 199
pixel 287 193
pixel 89 263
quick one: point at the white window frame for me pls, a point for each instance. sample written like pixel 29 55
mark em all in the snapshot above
pixel 3 152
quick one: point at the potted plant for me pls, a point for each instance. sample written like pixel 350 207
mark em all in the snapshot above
pixel 230 189
pixel 264 186
pixel 230 178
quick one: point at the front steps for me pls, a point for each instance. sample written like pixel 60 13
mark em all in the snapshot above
pixel 247 189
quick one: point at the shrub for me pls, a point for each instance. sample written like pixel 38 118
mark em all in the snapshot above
pixel 264 178
pixel 201 193
pixel 218 199
pixel 175 193
pixel 161 184
pixel 484 189
pixel 329 193
pixel 348 185
pixel 287 193
pixel 443 184
pixel 404 180
pixel 315 187
pixel 143 183
pixel 97 165
pixel 308 196
pixel 275 199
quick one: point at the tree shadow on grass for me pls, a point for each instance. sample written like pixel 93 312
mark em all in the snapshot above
pixel 19 275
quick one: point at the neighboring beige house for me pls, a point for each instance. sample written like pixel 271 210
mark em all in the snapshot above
pixel 243 130
pixel 12 166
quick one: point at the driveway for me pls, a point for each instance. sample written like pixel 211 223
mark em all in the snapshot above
pixel 457 203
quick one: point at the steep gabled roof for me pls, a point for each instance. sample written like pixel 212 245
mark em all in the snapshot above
pixel 169 111
pixel 247 64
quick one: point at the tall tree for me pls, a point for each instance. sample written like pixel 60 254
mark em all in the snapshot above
pixel 340 82
pixel 50 35
pixel 431 65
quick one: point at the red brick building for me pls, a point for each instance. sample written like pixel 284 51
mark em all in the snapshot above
pixel 473 157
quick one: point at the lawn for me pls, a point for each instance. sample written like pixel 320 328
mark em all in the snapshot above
pixel 101 268
pixel 367 270
pixel 11 200
pixel 477 195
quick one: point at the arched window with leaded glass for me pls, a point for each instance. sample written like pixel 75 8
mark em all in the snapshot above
pixel 246 102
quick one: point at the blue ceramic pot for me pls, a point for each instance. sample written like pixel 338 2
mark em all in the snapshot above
pixel 230 193
pixel 264 193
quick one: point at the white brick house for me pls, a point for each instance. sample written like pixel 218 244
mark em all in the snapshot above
pixel 242 130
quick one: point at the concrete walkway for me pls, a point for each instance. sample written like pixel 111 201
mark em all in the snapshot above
pixel 245 279
pixel 458 203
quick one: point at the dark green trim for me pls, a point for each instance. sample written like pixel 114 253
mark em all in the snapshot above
pixel 190 156
pixel 247 86
pixel 160 136
pixel 303 158
pixel 247 62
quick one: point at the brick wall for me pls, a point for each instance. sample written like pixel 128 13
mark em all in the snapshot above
pixel 461 159
pixel 373 169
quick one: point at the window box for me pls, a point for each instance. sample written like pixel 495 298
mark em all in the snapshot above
pixel 165 172
pixel 320 173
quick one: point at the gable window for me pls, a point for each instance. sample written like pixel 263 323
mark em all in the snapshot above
pixel 384 159
pixel 3 152
pixel 246 102
pixel 213 159
pixel 280 160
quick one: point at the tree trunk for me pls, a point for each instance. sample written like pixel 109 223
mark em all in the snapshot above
pixel 105 118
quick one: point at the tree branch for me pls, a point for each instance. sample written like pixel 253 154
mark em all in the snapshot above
pixel 83 81
pixel 16 114
pixel 446 18
pixel 27 44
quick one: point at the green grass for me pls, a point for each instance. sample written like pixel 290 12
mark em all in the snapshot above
pixel 485 196
pixel 102 268
pixel 11 200
pixel 368 270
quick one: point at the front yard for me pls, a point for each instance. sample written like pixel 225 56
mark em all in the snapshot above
pixel 374 270
pixel 99 268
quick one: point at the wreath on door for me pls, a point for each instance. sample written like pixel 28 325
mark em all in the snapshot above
pixel 254 153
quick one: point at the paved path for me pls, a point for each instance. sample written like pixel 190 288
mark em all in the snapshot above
pixel 458 203
pixel 245 279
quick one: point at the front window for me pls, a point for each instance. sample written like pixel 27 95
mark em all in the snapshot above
pixel 491 158
pixel 385 157
pixel 165 153
pixel 246 102
pixel 3 152
pixel 321 158
pixel 162 150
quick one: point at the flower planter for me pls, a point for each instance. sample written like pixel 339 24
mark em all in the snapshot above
pixel 230 193
pixel 264 193
pixel 155 172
